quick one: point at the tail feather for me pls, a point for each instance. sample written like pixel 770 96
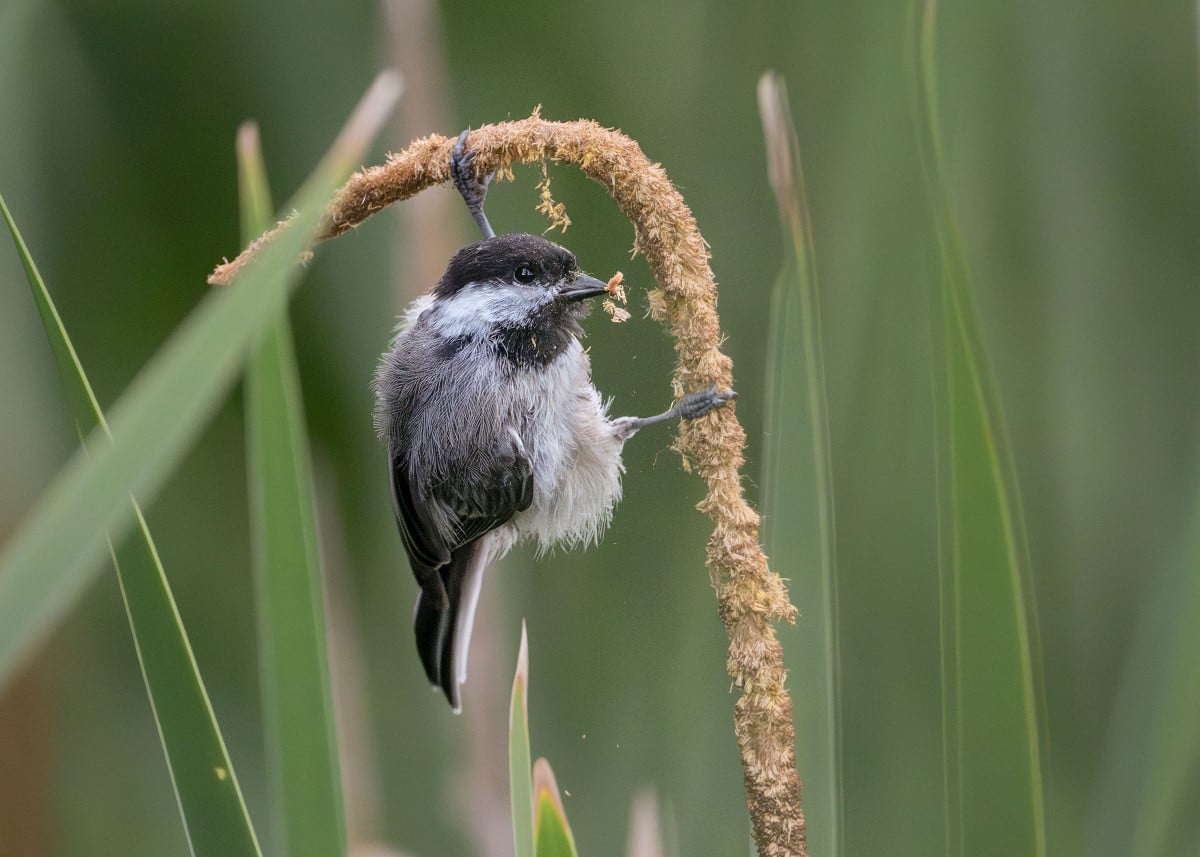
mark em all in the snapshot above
pixel 445 614
pixel 430 624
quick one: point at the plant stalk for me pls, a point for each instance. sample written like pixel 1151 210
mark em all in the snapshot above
pixel 751 598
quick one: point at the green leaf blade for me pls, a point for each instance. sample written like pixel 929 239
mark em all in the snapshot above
pixel 48 561
pixel 553 837
pixel 206 788
pixel 991 689
pixel 85 407
pixel 520 775
pixel 299 727
pixel 993 704
pixel 797 480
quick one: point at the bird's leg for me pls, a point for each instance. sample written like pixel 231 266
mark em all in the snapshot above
pixel 690 407
pixel 472 188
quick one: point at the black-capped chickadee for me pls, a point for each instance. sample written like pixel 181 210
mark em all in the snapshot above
pixel 494 431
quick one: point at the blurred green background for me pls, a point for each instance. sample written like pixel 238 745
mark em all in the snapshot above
pixel 1071 138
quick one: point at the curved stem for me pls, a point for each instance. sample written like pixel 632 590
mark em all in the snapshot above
pixel 750 597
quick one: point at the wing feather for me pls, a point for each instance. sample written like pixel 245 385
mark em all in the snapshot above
pixel 449 562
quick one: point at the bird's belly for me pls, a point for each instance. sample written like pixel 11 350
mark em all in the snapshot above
pixel 575 455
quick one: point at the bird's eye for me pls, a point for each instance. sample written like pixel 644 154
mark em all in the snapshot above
pixel 524 274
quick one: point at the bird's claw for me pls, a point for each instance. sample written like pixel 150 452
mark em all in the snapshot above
pixel 470 187
pixel 695 405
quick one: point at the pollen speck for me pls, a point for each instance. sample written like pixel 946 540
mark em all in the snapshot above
pixel 616 292
pixel 618 314
pixel 615 289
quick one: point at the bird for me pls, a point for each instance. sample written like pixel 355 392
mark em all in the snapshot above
pixel 494 431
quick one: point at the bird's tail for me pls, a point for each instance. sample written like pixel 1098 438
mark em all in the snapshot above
pixel 445 615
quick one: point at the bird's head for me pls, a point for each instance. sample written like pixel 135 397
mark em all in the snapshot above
pixel 514 285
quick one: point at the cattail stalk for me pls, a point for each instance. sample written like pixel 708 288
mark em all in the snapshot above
pixel 751 598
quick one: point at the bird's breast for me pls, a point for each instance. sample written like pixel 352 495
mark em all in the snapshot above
pixel 576 457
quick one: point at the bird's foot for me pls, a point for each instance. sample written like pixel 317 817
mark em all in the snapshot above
pixel 470 187
pixel 695 405
pixel 690 407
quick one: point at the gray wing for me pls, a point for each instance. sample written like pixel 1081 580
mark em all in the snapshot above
pixel 448 560
pixel 465 507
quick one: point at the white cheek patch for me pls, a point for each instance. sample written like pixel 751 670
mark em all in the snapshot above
pixel 464 312
pixel 477 305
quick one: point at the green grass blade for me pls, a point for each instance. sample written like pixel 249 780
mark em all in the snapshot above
pixel 520 776
pixel 206 788
pixel 797 480
pixel 47 562
pixel 992 701
pixel 84 406
pixel 301 742
pixel 1150 771
pixel 553 833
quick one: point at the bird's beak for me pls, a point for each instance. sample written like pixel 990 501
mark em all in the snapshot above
pixel 582 287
